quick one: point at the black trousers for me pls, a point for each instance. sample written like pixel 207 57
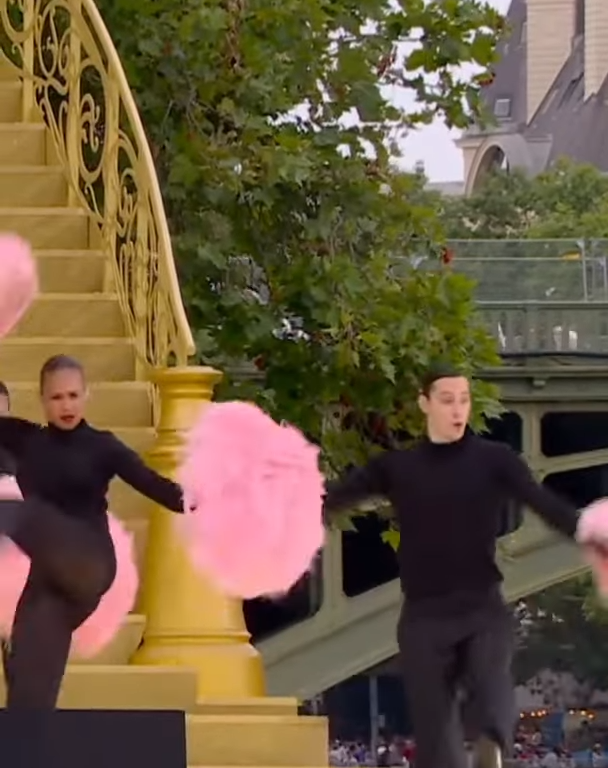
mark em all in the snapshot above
pixel 464 642
pixel 73 564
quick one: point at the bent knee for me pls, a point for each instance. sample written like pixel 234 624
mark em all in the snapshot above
pixel 96 576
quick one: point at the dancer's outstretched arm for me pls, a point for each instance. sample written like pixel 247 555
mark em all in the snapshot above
pixel 127 465
pixel 15 433
pixel 521 485
pixel 357 485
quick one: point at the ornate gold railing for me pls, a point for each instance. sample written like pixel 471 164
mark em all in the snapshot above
pixel 72 74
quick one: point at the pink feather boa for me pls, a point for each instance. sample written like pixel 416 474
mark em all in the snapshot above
pixel 255 493
pixel 101 627
pixel 592 533
pixel 18 281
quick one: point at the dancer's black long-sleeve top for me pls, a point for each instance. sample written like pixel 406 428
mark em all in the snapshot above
pixel 72 469
pixel 447 499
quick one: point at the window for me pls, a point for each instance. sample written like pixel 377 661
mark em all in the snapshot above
pixel 502 109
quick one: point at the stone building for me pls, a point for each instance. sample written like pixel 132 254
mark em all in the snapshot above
pixel 549 93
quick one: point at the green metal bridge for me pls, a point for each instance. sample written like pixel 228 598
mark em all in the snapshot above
pixel 546 304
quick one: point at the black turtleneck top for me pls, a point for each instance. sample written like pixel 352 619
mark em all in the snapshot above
pixel 72 469
pixel 447 500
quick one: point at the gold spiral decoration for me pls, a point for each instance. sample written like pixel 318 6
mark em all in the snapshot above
pixel 72 76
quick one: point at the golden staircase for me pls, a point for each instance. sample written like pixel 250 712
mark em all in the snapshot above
pixel 109 297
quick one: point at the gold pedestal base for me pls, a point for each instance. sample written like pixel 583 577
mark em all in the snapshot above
pixel 225 671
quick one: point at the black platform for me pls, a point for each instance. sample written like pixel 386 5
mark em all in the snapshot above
pixel 93 739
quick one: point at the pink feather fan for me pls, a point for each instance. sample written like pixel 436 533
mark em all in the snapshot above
pixel 18 281
pixel 255 493
pixel 101 627
pixel 592 533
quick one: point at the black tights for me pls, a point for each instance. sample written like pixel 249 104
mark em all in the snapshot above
pixel 454 645
pixel 72 567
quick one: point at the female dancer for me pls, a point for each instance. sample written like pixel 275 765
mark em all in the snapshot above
pixel 64 470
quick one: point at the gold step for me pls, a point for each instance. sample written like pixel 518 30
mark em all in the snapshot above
pixel 110 404
pixel 32 185
pixel 71 314
pixel 103 359
pixel 125 687
pixel 140 439
pixel 264 705
pixel 256 740
pixel 63 271
pixel 127 503
pixel 48 227
pixel 10 101
pixel 23 143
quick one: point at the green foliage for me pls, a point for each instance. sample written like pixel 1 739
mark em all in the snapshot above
pixel 564 629
pixel 566 201
pixel 285 228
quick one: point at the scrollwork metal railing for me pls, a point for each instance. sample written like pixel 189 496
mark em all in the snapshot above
pixel 73 77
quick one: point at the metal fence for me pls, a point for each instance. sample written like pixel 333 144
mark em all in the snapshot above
pixel 526 270
pixel 534 270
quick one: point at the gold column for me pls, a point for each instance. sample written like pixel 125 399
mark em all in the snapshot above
pixel 188 621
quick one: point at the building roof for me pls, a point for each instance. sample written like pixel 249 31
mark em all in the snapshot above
pixel 510 71
pixel 577 128
pixel 564 124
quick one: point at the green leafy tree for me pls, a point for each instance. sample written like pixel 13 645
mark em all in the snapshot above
pixel 274 135
pixel 567 201
pixel 564 629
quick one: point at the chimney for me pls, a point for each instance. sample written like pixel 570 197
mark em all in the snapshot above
pixel 550 29
pixel 596 45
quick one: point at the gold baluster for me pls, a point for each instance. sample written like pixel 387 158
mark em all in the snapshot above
pixel 27 63
pixel 189 622
pixel 73 126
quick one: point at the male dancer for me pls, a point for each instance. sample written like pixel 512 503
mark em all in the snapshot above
pixel 448 494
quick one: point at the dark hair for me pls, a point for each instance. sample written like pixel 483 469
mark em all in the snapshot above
pixel 436 372
pixel 59 363
pixel 4 392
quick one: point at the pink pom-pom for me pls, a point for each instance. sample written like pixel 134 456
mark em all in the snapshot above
pixel 18 281
pixel 255 493
pixel 592 533
pixel 101 627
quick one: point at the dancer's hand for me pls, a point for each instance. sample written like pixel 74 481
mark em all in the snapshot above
pixel 596 555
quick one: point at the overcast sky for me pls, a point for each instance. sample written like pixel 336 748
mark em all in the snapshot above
pixel 435 144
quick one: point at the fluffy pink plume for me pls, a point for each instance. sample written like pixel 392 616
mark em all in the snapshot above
pixel 593 530
pixel 256 493
pixel 100 628
pixel 18 281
